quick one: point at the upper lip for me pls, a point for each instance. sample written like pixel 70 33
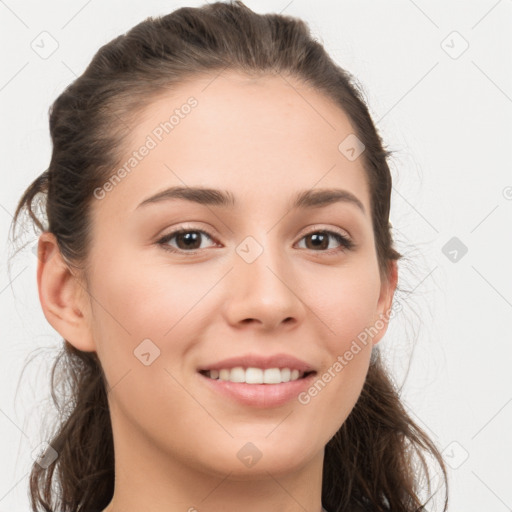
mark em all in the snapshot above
pixel 264 362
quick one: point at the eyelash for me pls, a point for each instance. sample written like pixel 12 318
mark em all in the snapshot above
pixel 346 243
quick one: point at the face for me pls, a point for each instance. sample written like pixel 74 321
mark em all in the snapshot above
pixel 253 275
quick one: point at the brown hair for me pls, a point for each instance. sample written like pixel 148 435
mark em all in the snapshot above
pixel 371 463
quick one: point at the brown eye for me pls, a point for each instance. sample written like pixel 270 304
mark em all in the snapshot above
pixel 319 240
pixel 187 240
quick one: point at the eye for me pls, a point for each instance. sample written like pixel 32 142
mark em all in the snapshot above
pixel 320 240
pixel 187 240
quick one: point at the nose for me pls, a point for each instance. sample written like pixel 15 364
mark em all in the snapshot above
pixel 263 293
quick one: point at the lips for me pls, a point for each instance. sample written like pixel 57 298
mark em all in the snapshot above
pixel 266 396
pixel 258 361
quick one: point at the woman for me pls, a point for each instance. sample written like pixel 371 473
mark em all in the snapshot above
pixel 219 262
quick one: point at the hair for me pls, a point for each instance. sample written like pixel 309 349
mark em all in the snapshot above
pixel 376 458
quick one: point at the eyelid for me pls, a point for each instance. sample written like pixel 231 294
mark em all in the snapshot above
pixel 321 227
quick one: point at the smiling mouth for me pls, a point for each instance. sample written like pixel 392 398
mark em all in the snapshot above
pixel 252 375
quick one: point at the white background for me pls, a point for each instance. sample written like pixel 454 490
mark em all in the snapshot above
pixel 447 117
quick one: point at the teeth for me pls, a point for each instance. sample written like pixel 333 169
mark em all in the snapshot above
pixel 255 375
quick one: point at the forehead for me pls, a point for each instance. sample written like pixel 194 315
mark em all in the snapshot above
pixel 247 134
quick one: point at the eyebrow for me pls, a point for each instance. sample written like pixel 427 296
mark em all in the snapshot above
pixel 213 197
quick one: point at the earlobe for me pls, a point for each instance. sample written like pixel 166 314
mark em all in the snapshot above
pixel 61 295
pixel 385 302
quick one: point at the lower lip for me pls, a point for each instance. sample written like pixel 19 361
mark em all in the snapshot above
pixel 260 395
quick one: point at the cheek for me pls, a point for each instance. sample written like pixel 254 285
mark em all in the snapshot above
pixel 146 315
pixel 346 302
pixel 349 313
pixel 149 298
pixel 137 302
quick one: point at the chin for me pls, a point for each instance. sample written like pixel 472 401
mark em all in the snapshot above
pixel 259 457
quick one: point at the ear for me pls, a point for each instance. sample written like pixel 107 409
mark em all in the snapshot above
pixel 62 296
pixel 385 301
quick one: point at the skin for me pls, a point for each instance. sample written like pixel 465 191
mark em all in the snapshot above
pixel 176 441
